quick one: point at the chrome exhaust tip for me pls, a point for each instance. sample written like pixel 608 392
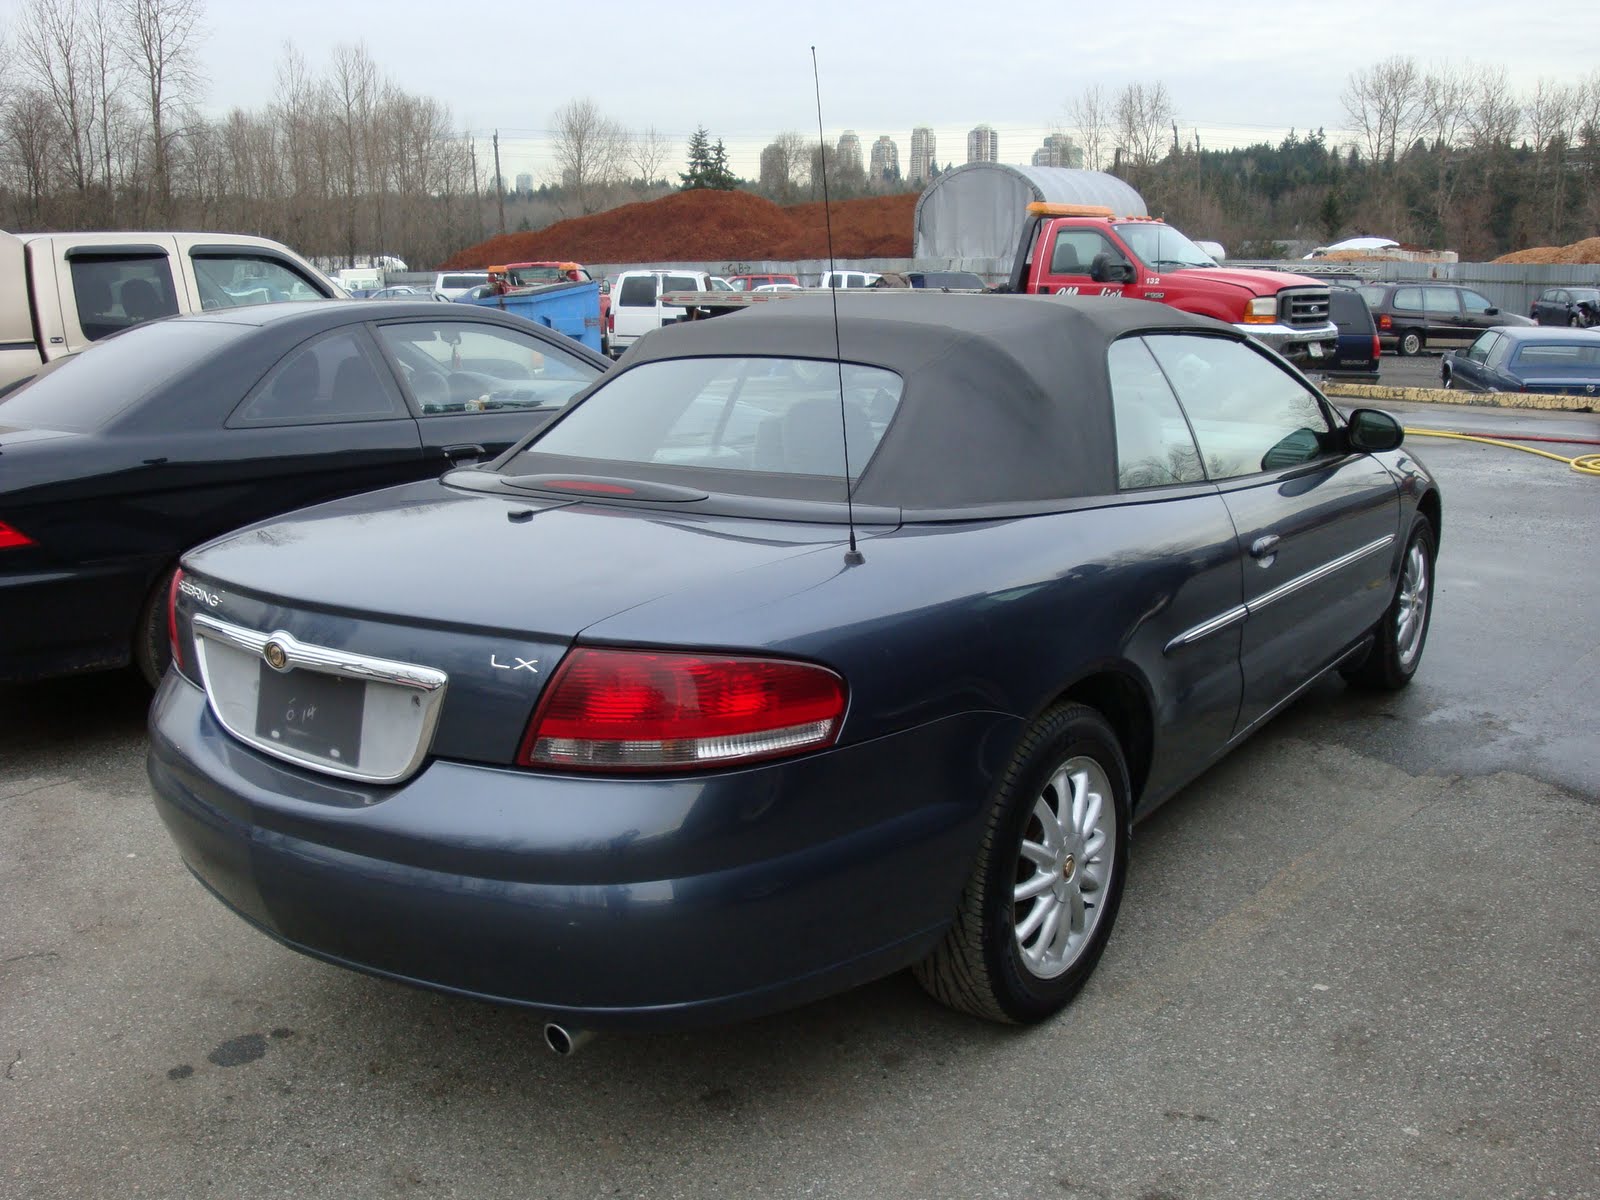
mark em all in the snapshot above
pixel 564 1041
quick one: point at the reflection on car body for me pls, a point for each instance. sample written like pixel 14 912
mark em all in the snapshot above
pixel 844 664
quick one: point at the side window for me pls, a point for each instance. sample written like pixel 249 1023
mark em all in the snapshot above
pixel 1154 445
pixel 229 281
pixel 113 293
pixel 1499 352
pixel 682 283
pixel 1248 414
pixel 1441 301
pixel 1480 348
pixel 1408 299
pixel 1474 304
pixel 1075 249
pixel 335 377
pixel 460 366
pixel 638 291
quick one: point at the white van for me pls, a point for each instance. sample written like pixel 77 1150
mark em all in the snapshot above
pixel 849 279
pixel 636 306
pixel 60 292
pixel 452 285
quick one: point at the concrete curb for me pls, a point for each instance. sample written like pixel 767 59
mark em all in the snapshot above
pixel 1416 395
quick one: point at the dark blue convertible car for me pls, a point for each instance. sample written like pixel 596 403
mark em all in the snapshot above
pixel 760 673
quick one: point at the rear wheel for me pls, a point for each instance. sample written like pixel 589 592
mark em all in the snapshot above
pixel 1400 635
pixel 1038 908
pixel 1409 343
pixel 152 650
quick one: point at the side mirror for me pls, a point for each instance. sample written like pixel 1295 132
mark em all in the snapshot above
pixel 1103 270
pixel 1491 312
pixel 1370 431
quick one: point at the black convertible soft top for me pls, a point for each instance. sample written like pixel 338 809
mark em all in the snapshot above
pixel 1006 397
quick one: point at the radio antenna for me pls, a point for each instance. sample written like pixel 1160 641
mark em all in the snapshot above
pixel 852 556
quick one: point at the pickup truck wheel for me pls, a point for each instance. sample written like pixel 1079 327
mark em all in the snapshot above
pixel 1409 343
pixel 1038 907
pixel 152 652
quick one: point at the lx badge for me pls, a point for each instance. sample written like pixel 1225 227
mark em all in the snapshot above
pixel 522 664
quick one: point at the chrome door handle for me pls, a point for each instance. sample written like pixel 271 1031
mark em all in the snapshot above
pixel 1265 546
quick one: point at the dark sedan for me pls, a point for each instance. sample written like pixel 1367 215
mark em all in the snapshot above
pixel 1578 307
pixel 759 674
pixel 114 462
pixel 1527 359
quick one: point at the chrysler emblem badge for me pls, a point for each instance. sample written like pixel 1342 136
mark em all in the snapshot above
pixel 275 656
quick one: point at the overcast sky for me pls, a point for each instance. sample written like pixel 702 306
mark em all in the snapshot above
pixel 1238 73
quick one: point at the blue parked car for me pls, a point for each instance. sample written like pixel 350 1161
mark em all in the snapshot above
pixel 1532 358
pixel 759 674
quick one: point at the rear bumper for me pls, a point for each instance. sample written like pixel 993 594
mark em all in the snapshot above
pixel 57 621
pixel 601 903
pixel 1302 346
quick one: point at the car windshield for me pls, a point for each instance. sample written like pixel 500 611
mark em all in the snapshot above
pixel 726 424
pixel 1162 246
pixel 1585 295
pixel 84 392
pixel 527 276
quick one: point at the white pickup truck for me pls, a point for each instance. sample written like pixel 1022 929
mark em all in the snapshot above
pixel 60 292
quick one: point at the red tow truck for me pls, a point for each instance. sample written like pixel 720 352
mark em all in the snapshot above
pixel 1084 250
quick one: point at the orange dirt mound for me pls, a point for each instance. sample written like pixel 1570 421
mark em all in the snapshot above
pixel 708 226
pixel 1586 252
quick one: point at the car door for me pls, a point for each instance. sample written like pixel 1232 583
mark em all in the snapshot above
pixel 1478 313
pixel 1443 323
pixel 1316 525
pixel 1550 308
pixel 478 386
pixel 1467 370
pixel 634 307
pixel 1194 653
pixel 327 420
pixel 1072 252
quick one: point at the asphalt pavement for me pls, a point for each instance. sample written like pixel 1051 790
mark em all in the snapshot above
pixel 1356 959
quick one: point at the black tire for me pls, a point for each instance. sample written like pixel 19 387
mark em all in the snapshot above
pixel 979 967
pixel 1393 659
pixel 152 649
pixel 1409 343
pixel 1576 322
pixel 1446 380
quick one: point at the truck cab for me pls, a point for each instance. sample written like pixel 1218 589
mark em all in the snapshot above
pixel 1084 250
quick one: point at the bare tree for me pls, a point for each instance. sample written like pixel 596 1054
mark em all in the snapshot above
pixel 590 149
pixel 51 54
pixel 647 154
pixel 1385 104
pixel 1446 92
pixel 1552 117
pixel 1090 116
pixel 786 166
pixel 29 131
pixel 160 38
pixel 1142 117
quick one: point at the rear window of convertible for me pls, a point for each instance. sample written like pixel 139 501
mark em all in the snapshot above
pixel 743 418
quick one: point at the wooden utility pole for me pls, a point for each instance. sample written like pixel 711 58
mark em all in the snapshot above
pixel 477 202
pixel 499 182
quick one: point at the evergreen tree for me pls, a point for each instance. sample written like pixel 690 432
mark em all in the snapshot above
pixel 717 174
pixel 699 160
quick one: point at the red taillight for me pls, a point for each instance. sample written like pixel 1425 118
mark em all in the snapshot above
pixel 1377 347
pixel 172 618
pixel 638 710
pixel 1385 321
pixel 12 538
pixel 611 320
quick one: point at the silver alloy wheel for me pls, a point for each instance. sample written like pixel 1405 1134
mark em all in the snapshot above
pixel 1064 867
pixel 1413 607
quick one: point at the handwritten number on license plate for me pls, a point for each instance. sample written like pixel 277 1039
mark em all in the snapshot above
pixel 312 713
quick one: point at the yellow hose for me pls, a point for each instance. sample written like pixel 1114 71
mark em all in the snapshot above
pixel 1584 464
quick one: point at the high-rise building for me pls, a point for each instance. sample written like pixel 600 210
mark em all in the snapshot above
pixel 885 167
pixel 848 155
pixel 1059 150
pixel 983 145
pixel 774 168
pixel 525 183
pixel 922 151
